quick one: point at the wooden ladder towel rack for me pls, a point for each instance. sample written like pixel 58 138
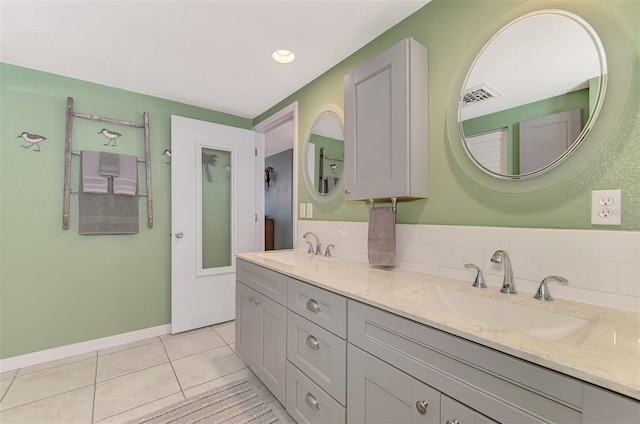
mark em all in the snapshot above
pixel 68 152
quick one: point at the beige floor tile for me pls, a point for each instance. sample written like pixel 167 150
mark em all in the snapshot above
pixel 8 375
pixel 192 343
pixel 131 360
pixel 280 412
pixel 42 384
pixel 227 330
pixel 200 368
pixel 53 364
pixel 119 348
pixel 244 373
pixel 4 385
pixel 70 407
pixel 185 333
pixel 134 390
pixel 143 410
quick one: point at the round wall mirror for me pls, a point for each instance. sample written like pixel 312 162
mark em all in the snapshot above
pixel 324 154
pixel 532 94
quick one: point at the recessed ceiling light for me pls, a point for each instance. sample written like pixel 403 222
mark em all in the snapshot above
pixel 283 56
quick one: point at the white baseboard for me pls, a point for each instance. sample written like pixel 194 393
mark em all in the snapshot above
pixel 61 352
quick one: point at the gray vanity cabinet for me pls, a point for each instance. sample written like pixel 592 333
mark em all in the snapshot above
pixel 261 325
pixel 386 125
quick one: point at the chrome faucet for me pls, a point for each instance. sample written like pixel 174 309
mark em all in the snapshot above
pixel 508 284
pixel 543 291
pixel 318 245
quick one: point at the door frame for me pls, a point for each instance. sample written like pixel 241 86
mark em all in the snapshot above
pixel 284 115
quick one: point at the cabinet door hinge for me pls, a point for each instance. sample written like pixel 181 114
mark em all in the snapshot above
pixel 256 151
pixel 256 217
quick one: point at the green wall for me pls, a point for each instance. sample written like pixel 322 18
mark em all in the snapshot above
pixel 451 32
pixel 57 287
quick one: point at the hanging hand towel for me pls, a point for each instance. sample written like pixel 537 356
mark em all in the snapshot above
pixel 92 181
pixel 109 164
pixel 127 182
pixel 382 236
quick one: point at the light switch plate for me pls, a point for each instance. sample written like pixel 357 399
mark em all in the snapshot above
pixel 606 207
pixel 309 210
pixel 303 209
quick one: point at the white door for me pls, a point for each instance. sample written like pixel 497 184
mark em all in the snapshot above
pixel 213 216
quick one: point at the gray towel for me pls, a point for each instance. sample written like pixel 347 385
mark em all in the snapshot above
pixel 127 182
pixel 109 164
pixel 382 236
pixel 92 181
pixel 106 213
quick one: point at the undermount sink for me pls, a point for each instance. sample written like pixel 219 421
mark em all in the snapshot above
pixel 286 257
pixel 535 322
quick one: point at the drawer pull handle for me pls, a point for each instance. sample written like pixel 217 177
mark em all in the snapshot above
pixel 313 306
pixel 453 421
pixel 257 302
pixel 312 401
pixel 313 343
pixel 422 406
pixel 251 298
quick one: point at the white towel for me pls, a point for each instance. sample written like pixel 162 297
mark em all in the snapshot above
pixel 127 182
pixel 382 236
pixel 92 181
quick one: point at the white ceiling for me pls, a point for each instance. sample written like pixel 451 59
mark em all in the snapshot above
pixel 209 53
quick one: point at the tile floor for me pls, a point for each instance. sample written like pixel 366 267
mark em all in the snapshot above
pixel 124 382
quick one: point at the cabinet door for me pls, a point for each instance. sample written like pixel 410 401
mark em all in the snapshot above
pixel 386 131
pixel 261 337
pixel 379 393
pixel 453 412
pixel 272 352
pixel 247 325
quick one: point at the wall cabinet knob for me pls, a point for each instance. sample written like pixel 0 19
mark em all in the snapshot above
pixel 179 234
pixel 422 406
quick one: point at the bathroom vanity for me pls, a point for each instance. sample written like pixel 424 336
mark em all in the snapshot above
pixel 338 341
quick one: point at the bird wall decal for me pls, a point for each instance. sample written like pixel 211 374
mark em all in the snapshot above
pixel 111 135
pixel 34 139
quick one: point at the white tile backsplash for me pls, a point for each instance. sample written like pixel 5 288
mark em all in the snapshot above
pixel 603 267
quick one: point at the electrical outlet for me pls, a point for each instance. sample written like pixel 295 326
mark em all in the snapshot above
pixel 303 210
pixel 309 210
pixel 606 207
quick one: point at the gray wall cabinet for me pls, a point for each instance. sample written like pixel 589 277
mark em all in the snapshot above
pixel 386 125
pixel 330 359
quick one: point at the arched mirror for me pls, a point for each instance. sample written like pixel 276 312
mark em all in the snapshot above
pixel 324 154
pixel 532 94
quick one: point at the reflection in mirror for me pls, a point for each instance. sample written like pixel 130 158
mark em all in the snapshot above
pixel 325 154
pixel 532 94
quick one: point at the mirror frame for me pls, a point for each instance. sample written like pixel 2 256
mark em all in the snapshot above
pixel 593 116
pixel 619 72
pixel 337 112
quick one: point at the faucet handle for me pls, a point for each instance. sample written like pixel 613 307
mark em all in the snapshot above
pixel 479 281
pixel 543 291
pixel 327 252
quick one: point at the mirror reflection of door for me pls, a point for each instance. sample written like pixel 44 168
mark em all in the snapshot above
pixel 325 153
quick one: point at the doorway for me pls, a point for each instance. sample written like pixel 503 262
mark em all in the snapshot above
pixel 280 177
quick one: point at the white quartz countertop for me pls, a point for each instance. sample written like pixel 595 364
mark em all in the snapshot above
pixel 606 354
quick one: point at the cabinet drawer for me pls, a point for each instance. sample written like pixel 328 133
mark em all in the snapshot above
pixel 455 412
pixel 319 354
pixel 497 385
pixel 308 403
pixel 328 310
pixel 269 283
